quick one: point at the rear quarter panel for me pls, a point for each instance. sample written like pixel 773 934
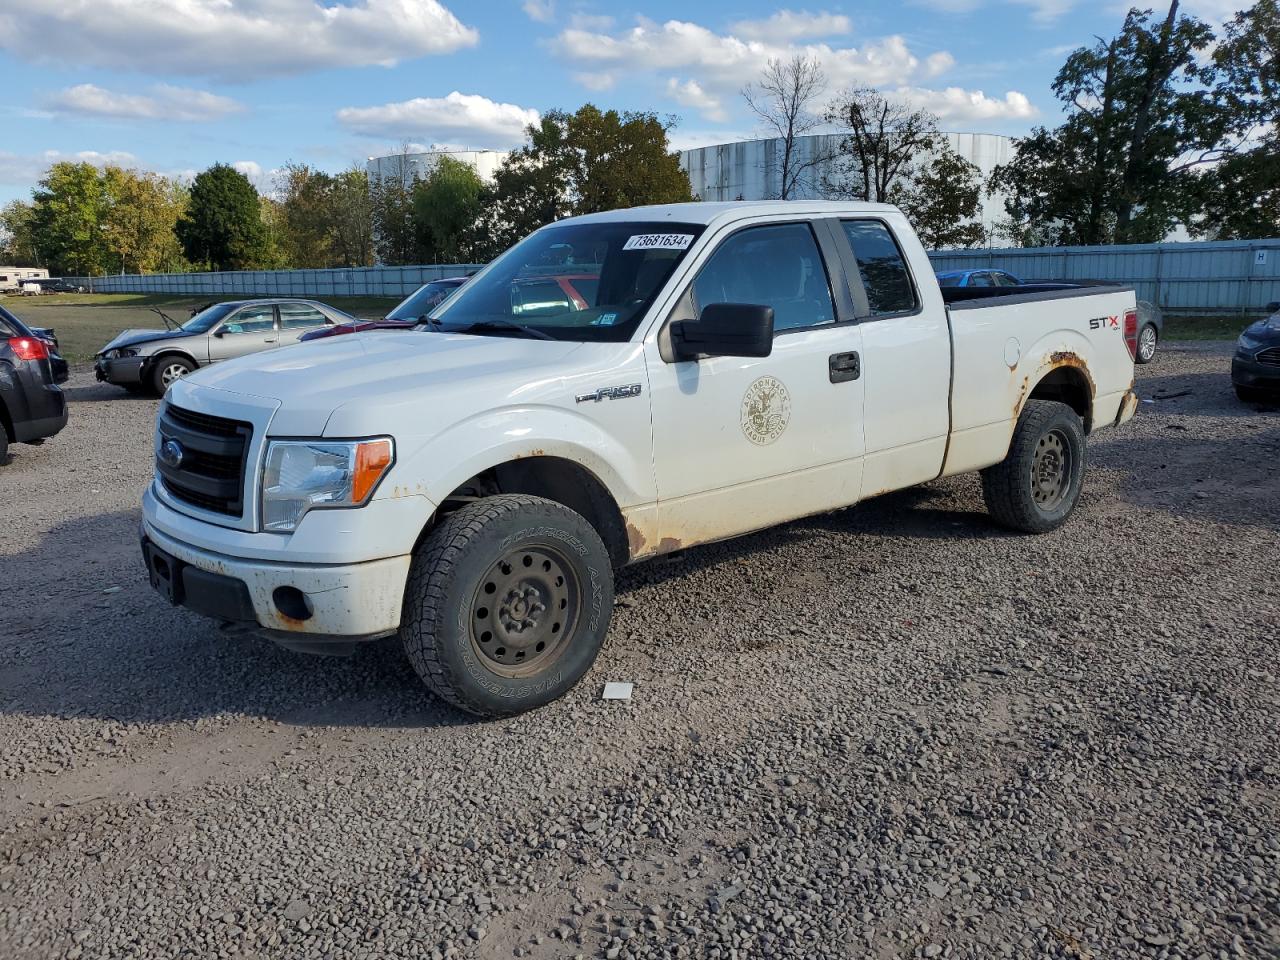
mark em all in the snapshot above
pixel 1003 350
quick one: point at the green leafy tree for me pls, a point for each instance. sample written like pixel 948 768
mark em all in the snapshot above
pixel 447 206
pixel 943 200
pixel 1242 194
pixel 1141 119
pixel 222 226
pixel 304 201
pixel 391 200
pixel 585 162
pixel 17 235
pixel 69 207
pixel 139 223
pixel 351 219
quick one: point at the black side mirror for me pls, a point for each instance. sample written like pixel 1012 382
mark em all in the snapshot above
pixel 220 333
pixel 1273 306
pixel 725 330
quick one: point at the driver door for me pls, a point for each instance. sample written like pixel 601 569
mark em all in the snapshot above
pixel 743 443
pixel 249 330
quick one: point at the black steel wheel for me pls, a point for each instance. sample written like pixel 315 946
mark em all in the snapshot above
pixel 1037 485
pixel 507 604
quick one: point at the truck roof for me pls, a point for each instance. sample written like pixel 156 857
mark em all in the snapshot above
pixel 719 212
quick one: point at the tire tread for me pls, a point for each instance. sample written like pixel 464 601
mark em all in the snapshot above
pixel 1002 484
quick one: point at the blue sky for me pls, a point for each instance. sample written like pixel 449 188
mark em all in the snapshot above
pixel 176 85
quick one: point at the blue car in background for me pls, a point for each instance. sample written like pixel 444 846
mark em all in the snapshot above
pixel 977 278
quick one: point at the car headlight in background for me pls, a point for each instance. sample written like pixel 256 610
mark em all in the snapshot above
pixel 303 475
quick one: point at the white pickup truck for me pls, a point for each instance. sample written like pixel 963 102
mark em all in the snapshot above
pixel 614 387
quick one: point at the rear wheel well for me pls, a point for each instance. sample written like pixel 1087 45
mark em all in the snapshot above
pixel 1068 385
pixel 552 478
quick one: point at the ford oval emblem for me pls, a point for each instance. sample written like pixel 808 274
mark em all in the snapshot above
pixel 172 453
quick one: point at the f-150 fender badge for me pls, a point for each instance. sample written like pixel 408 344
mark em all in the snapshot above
pixel 766 410
pixel 610 393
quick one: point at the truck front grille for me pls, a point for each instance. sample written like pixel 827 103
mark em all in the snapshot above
pixel 205 465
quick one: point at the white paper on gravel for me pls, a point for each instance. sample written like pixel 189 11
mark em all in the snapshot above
pixel 617 691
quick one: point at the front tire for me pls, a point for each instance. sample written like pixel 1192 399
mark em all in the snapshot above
pixel 507 605
pixel 1148 337
pixel 166 370
pixel 1037 485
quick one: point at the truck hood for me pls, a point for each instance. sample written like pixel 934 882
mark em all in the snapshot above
pixel 133 338
pixel 350 385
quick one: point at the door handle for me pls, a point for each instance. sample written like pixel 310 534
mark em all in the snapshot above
pixel 842 367
pixel 272 340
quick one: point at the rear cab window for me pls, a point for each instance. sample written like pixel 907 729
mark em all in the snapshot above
pixel 883 268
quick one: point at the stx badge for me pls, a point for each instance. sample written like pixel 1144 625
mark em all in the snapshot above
pixel 1104 323
pixel 766 410
pixel 610 393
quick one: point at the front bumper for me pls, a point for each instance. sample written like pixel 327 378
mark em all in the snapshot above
pixel 1250 373
pixel 121 371
pixel 341 603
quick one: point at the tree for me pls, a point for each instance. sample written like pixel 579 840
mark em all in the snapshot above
pixel 783 99
pixel 880 146
pixel 1140 120
pixel 69 206
pixel 1242 194
pixel 222 226
pixel 351 219
pixel 17 235
pixel 391 196
pixel 943 201
pixel 446 208
pixel 585 162
pixel 138 226
pixel 304 209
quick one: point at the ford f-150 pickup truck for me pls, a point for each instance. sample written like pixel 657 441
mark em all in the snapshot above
pixel 471 485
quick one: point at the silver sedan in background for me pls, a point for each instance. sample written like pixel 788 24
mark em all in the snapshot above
pixel 141 360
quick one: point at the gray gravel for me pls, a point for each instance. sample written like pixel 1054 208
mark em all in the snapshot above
pixel 895 731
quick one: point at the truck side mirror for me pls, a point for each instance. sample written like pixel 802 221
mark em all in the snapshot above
pixel 1273 306
pixel 725 330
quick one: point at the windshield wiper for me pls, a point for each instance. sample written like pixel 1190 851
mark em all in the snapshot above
pixel 494 325
pixel 432 322
pixel 169 322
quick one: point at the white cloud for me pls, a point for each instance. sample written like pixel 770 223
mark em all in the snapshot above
pixel 727 61
pixel 474 120
pixel 1046 12
pixel 164 102
pixel 787 25
pixel 591 21
pixel 596 81
pixel 25 169
pixel 937 63
pixel 234 40
pixel 543 11
pixel 690 94
pixel 954 104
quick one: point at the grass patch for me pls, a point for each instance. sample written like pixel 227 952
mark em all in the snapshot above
pixel 1205 328
pixel 86 321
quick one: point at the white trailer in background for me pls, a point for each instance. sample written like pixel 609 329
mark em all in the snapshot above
pixel 11 278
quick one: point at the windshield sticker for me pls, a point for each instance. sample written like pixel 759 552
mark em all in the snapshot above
pixel 658 241
pixel 605 320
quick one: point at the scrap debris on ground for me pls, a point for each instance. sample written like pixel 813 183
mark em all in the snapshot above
pixel 893 731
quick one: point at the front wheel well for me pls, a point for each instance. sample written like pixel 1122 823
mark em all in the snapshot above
pixel 1069 385
pixel 552 478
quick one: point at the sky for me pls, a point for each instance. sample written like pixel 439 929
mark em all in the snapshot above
pixel 177 85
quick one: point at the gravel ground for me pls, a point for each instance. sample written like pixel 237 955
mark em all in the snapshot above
pixel 894 731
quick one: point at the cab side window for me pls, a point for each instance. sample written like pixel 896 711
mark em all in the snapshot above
pixel 252 320
pixel 884 270
pixel 300 316
pixel 774 266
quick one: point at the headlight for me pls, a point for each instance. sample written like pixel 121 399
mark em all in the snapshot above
pixel 302 475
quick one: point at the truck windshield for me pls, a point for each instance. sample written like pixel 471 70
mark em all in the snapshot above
pixel 579 281
pixel 203 321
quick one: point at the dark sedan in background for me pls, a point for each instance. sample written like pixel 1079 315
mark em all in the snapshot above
pixel 1255 369
pixel 32 405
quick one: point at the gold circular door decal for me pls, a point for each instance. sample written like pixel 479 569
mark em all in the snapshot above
pixel 766 410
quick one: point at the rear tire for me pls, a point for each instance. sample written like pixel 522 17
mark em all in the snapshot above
pixel 507 605
pixel 1037 485
pixel 168 369
pixel 1148 338
pixel 4 446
